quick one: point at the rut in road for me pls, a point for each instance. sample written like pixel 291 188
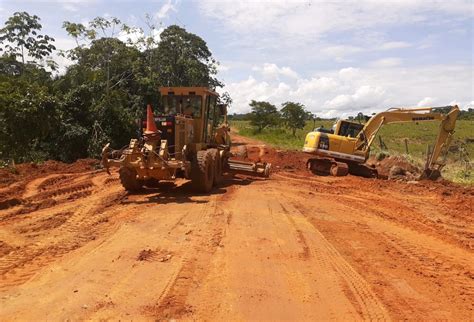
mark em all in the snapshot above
pixel 424 273
pixel 336 269
pixel 207 230
pixel 75 218
pixel 287 266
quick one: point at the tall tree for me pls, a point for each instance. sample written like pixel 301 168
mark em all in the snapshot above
pixel 102 95
pixel 263 114
pixel 294 116
pixel 28 118
pixel 183 59
pixel 21 39
pixel 107 88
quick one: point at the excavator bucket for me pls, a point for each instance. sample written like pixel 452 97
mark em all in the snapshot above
pixel 431 174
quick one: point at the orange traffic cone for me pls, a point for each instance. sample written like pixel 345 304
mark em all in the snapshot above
pixel 150 121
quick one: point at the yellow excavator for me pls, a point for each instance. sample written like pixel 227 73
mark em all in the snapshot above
pixel 345 148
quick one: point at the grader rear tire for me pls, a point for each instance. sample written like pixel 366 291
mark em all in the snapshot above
pixel 202 172
pixel 216 158
pixel 129 180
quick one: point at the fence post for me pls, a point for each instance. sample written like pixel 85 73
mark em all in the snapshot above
pixel 406 145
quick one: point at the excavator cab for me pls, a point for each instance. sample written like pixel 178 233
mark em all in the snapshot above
pixel 348 129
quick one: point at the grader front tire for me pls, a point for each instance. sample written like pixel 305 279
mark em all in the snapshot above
pixel 203 171
pixel 216 158
pixel 129 180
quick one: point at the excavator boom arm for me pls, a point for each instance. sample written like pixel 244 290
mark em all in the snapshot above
pixel 446 130
pixel 399 115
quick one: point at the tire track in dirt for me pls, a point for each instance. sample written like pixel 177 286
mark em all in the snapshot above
pixel 329 261
pixel 271 246
pixel 74 224
pixel 43 193
pixel 431 265
pixel 48 182
pixel 408 206
pixel 206 237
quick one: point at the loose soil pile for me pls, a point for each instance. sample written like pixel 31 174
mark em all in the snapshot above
pixel 28 171
pixel 396 167
pixel 13 180
pixel 292 161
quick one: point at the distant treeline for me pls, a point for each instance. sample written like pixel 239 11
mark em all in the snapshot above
pixel 463 115
pixel 466 115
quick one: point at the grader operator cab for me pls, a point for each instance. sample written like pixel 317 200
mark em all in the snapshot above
pixel 188 139
pixel 346 147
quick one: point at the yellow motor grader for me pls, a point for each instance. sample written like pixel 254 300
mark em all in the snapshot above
pixel 345 148
pixel 189 139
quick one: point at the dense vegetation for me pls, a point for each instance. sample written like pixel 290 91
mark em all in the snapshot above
pixel 46 115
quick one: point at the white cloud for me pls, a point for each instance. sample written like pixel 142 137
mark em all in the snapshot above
pixel 315 84
pixel 340 53
pixel 136 36
pixel 73 5
pixel 63 62
pixel 341 50
pixel 427 102
pixel 324 30
pixel 70 7
pixel 394 45
pixel 347 91
pixel 298 17
pixel 454 102
pixel 222 68
pixel 251 89
pixel 364 97
pixel 386 62
pixel 165 10
pixel 427 42
pixel 348 72
pixel 272 71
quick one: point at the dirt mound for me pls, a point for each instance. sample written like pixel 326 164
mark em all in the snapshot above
pixel 28 171
pixel 293 161
pixel 396 167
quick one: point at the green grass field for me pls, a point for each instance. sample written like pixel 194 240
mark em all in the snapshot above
pixel 418 137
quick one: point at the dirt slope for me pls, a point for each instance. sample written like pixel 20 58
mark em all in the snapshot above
pixel 74 245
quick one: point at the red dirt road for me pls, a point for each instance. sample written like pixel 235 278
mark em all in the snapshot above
pixel 74 245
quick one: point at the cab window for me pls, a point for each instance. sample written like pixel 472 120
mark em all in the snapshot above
pixel 350 129
pixel 211 117
pixel 177 104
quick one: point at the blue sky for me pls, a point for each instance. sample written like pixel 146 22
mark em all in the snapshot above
pixel 336 57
